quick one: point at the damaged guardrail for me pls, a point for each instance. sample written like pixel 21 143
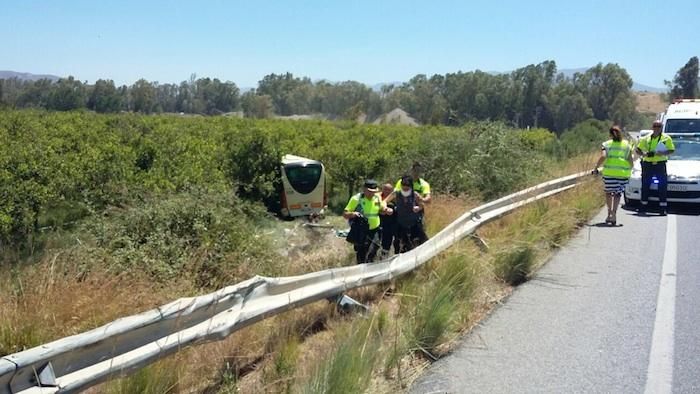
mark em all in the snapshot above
pixel 77 362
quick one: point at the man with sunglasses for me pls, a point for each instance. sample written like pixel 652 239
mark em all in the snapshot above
pixel 654 150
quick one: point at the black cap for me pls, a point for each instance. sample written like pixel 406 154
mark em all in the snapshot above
pixel 371 185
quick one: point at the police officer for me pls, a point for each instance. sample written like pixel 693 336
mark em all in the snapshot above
pixel 654 150
pixel 367 205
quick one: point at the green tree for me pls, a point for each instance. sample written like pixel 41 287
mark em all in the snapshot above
pixel 569 106
pixel 166 97
pixel 257 106
pixel 104 97
pixel 67 94
pixel 279 87
pixel 216 96
pixel 143 96
pixel 685 83
pixel 533 83
pixel 608 91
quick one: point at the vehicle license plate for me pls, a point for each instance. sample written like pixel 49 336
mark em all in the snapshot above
pixel 678 188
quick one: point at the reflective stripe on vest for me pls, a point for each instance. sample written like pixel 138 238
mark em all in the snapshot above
pixel 616 164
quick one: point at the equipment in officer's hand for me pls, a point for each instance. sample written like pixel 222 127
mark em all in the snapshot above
pixel 661 147
pixel 359 226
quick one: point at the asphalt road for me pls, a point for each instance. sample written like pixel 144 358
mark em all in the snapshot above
pixel 615 311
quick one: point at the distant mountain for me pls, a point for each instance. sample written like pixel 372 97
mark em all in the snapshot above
pixel 27 76
pixel 569 72
pixel 638 87
pixel 378 87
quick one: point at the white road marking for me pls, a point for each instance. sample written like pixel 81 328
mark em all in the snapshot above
pixel 660 372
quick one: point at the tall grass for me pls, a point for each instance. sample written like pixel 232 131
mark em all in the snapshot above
pixel 17 337
pixel 514 266
pixel 440 304
pixel 348 367
pixel 160 378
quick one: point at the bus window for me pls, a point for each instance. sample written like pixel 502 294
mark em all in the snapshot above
pixel 303 179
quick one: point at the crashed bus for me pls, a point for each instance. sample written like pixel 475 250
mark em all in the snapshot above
pixel 303 187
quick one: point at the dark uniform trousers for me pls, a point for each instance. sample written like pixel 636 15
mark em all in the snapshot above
pixel 657 170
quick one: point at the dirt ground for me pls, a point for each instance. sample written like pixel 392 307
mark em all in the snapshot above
pixel 650 102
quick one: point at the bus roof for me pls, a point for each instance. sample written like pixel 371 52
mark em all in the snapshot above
pixel 293 159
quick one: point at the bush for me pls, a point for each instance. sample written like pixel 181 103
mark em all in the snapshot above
pixel 204 235
pixel 57 168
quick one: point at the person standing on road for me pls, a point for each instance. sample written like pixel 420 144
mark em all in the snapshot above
pixel 654 150
pixel 616 158
pixel 363 212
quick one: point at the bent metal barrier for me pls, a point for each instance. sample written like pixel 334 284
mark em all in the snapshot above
pixel 77 362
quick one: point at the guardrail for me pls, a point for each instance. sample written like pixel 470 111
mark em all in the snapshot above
pixel 77 362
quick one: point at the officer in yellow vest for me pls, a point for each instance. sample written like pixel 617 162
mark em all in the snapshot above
pixel 616 158
pixel 654 150
pixel 363 211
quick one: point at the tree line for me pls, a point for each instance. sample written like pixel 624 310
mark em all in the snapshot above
pixel 532 96
pixel 197 95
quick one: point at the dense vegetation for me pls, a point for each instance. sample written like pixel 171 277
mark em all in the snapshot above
pixel 143 179
pixel 532 96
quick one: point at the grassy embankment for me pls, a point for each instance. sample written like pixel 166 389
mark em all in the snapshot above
pixel 122 240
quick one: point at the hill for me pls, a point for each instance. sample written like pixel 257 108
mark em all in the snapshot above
pixel 4 74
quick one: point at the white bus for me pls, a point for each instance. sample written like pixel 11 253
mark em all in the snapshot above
pixel 303 187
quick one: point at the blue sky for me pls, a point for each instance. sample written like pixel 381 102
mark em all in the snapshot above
pixel 367 41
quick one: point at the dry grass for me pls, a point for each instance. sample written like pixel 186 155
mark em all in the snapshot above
pixel 648 102
pixel 49 300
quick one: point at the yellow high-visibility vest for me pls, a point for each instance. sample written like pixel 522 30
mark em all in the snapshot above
pixel 370 208
pixel 616 164
pixel 649 143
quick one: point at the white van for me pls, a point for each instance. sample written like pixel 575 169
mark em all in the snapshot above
pixel 681 121
pixel 303 187
pixel 682 117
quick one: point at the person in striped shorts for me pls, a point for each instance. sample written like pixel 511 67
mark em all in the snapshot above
pixel 616 158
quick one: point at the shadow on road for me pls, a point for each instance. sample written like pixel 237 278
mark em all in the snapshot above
pixel 603 224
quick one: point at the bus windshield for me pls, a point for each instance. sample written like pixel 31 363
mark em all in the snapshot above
pixel 303 178
pixel 682 126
